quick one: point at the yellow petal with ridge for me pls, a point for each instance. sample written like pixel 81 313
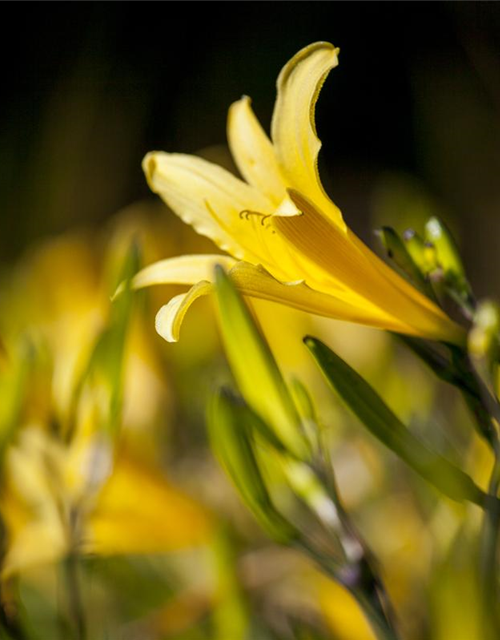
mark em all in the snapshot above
pixel 193 188
pixel 255 281
pixel 258 283
pixel 253 152
pixel 181 270
pixel 293 126
pixel 348 260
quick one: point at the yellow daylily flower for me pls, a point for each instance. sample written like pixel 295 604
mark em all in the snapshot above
pixel 288 241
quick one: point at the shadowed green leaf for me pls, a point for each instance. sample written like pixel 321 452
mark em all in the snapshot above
pixel 230 425
pixel 384 425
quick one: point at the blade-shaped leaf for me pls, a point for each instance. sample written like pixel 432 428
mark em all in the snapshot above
pixel 255 370
pixel 230 426
pixel 384 425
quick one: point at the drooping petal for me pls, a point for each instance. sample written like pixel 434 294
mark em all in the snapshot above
pixel 253 152
pixel 293 127
pixel 194 188
pixel 348 260
pixel 255 281
pixel 169 318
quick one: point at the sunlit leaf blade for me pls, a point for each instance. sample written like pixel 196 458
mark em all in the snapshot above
pixel 384 425
pixel 254 368
pixel 230 426
pixel 13 387
pixel 307 412
pixel 120 320
pixel 107 358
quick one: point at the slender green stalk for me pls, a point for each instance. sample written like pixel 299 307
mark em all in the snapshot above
pixel 75 604
pixel 489 549
pixel 11 626
pixel 375 614
pixel 359 578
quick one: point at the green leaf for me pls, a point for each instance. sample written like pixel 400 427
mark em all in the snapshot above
pixel 255 370
pixel 231 424
pixel 457 372
pixel 386 427
pixel 13 389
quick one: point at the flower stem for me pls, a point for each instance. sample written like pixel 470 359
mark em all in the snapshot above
pixel 75 605
pixel 375 614
pixel 359 575
pixel 489 547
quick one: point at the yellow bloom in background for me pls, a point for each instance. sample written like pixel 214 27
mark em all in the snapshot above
pixel 288 241
pixel 125 506
pixel 72 482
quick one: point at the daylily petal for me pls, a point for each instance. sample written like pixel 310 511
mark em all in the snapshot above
pixel 293 128
pixel 169 318
pixel 258 283
pixel 268 248
pixel 345 257
pixel 253 152
pixel 181 270
pixel 255 281
pixel 194 188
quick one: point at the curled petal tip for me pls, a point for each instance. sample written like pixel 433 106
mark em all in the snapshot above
pixel 169 318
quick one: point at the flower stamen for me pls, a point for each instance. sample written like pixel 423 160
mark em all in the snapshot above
pixel 247 213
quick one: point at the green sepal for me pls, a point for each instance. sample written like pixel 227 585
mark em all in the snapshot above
pixel 450 263
pixel 376 416
pixel 231 424
pixel 398 252
pixel 484 336
pixel 448 256
pixel 483 345
pixel 418 252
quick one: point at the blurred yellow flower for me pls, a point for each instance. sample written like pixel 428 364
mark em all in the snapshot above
pixel 58 500
pixel 69 483
pixel 288 240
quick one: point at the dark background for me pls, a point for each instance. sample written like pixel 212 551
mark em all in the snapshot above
pixel 89 88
